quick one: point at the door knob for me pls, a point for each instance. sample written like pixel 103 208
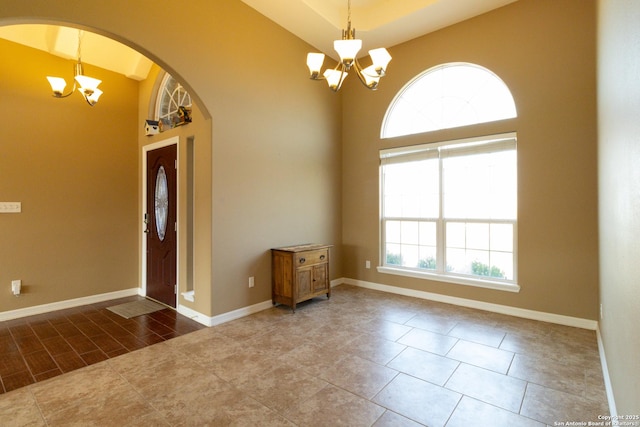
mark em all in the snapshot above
pixel 146 223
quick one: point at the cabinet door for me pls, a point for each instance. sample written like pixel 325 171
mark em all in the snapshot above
pixel 319 280
pixel 304 283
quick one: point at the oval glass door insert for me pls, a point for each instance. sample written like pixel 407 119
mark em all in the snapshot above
pixel 161 203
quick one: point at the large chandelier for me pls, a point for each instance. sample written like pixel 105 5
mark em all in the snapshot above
pixel 87 86
pixel 348 49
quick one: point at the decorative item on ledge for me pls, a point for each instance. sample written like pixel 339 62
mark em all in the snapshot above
pixel 184 116
pixel 299 273
pixel 151 127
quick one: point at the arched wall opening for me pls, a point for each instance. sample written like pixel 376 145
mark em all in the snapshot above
pixel 82 191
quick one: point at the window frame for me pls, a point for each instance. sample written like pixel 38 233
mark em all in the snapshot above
pixel 440 274
pixel 163 94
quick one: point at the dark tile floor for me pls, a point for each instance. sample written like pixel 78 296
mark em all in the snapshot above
pixel 36 348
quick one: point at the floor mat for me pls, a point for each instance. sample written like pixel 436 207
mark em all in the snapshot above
pixel 136 308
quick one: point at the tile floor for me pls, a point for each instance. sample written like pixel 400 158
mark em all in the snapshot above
pixel 362 358
pixel 39 347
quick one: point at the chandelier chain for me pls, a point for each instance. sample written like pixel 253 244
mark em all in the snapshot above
pixel 79 44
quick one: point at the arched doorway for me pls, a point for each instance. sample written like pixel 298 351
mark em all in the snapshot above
pixel 84 173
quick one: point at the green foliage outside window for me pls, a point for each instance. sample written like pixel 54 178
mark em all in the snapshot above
pixel 395 259
pixel 427 263
pixel 480 269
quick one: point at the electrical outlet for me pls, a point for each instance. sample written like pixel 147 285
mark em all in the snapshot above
pixel 367 264
pixel 251 282
pixel 601 313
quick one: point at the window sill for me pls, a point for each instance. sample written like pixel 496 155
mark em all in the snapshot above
pixel 479 283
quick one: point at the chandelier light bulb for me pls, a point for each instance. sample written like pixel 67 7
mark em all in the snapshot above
pixel 335 78
pixel 87 82
pixel 314 62
pixel 381 59
pixel 347 49
pixel 57 85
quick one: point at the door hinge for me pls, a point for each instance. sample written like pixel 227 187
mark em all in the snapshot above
pixel 175 289
pixel 175 163
pixel 175 226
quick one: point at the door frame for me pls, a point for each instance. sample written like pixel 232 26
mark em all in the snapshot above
pixel 175 140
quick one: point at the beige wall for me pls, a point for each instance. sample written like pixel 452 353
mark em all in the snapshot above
pixel 545 52
pixel 74 168
pixel 619 153
pixel 275 162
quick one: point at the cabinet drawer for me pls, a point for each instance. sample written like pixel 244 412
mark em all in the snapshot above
pixel 311 257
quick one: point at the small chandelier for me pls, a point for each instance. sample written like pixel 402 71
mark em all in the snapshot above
pixel 348 48
pixel 87 86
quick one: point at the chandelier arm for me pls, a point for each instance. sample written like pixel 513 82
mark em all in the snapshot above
pixel 64 95
pixel 362 79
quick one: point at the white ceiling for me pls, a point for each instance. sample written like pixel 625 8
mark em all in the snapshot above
pixel 95 49
pixel 379 23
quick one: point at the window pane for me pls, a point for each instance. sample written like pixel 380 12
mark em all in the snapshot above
pixel 502 265
pixel 448 96
pixel 411 243
pixel 409 232
pixel 478 236
pixel 428 233
pixel 456 235
pixel 427 257
pixel 480 249
pixel 480 186
pixel 392 255
pixel 410 255
pixel 411 190
pixel 392 232
pixel 502 237
pixel 477 263
pixel 456 260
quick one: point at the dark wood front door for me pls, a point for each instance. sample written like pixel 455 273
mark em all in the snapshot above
pixel 161 225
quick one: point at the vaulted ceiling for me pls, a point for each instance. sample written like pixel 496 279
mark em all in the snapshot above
pixel 379 23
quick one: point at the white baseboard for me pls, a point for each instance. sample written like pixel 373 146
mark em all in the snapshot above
pixel 194 315
pixel 224 317
pixel 480 305
pixel 607 379
pixel 235 314
pixel 61 305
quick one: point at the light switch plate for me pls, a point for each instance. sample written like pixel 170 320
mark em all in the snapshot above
pixel 10 207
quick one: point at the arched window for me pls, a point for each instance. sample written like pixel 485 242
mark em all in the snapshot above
pixel 447 96
pixel 171 96
pixel 449 208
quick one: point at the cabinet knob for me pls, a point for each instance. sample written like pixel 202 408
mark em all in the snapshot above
pixel 322 257
pixel 302 260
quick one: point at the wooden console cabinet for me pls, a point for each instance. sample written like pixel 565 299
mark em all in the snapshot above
pixel 299 273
